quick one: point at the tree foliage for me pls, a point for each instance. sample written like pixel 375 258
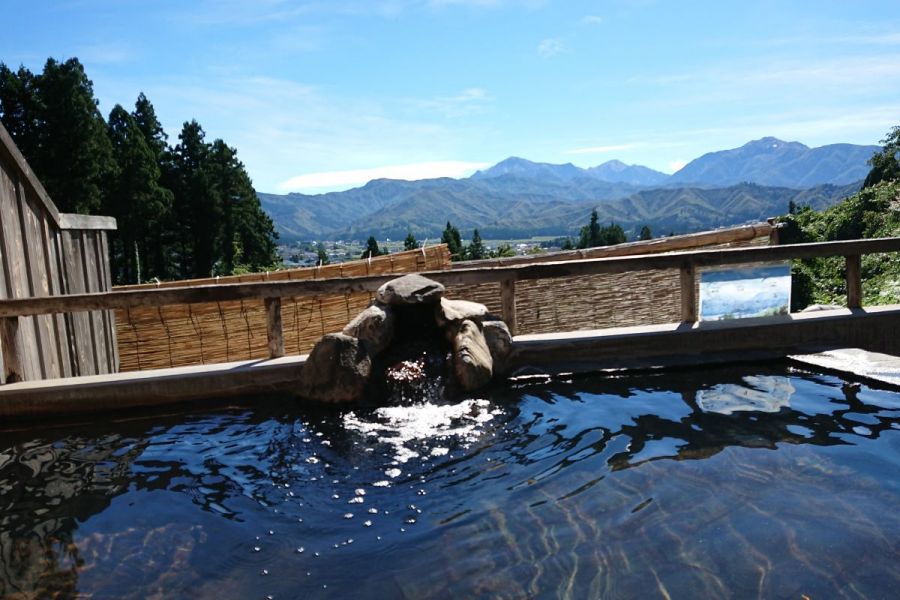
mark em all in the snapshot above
pixel 645 234
pixel 872 212
pixel 187 211
pixel 410 242
pixel 885 164
pixel 372 250
pixel 476 250
pixel 451 237
pixel 593 234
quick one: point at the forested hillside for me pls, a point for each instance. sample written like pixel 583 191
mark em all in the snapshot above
pixel 872 212
pixel 187 210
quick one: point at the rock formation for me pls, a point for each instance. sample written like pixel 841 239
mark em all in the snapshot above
pixel 409 339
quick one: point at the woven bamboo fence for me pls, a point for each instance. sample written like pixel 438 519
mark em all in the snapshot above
pixel 597 301
pixel 190 334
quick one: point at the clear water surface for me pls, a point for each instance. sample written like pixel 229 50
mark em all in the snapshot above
pixel 758 481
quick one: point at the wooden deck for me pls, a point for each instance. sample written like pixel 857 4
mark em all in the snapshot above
pixel 673 344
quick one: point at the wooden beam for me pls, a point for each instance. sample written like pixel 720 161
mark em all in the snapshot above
pixel 274 333
pixel 508 303
pixel 688 293
pixel 854 281
pixel 688 241
pixel 75 221
pixel 370 283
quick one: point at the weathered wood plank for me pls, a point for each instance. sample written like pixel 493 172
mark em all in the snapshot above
pixel 274 333
pixel 54 281
pixel 688 293
pixel 91 268
pixel 109 316
pixel 38 283
pixel 13 236
pixel 75 277
pixel 12 369
pixel 508 303
pixel 86 222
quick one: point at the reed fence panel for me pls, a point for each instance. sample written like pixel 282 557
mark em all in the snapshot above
pixel 203 333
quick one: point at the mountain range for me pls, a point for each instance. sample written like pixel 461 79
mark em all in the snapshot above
pixel 519 198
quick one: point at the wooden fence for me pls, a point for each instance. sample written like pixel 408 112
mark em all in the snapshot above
pixel 189 334
pixel 508 277
pixel 45 253
pixel 606 299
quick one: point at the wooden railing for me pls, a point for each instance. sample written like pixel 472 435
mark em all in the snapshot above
pixel 272 292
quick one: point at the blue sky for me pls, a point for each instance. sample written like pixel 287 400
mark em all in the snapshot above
pixel 326 94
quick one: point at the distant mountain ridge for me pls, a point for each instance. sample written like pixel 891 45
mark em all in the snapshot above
pixel 518 197
pixel 770 161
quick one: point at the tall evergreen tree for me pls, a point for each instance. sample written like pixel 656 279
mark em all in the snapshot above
pixel 134 198
pixel 451 237
pixel 20 109
pixel 75 161
pixel 372 250
pixel 410 242
pixel 163 229
pixel 476 250
pixel 54 119
pixel 645 233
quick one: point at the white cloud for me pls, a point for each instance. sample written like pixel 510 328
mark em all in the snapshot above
pixel 550 47
pixel 354 177
pixel 677 165
pixel 466 102
pixel 592 20
pixel 600 149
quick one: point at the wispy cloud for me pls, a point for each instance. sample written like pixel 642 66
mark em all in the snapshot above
pixel 467 102
pixel 354 177
pixel 592 20
pixel 550 47
pixel 601 149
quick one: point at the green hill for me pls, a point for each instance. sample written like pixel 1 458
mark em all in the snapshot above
pixel 871 212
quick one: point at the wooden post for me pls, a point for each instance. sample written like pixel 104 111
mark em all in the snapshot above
pixel 688 293
pixel 854 281
pixel 508 302
pixel 11 371
pixel 273 327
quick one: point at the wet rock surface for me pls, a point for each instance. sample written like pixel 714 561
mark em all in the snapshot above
pixel 410 343
pixel 337 370
pixel 410 289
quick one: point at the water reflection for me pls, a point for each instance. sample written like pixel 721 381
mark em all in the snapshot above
pixel 713 482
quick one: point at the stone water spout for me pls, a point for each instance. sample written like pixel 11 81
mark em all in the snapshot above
pixel 410 341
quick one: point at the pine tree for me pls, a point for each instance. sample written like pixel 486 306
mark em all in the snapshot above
pixel 134 198
pixel 476 250
pixel 451 237
pixel 645 234
pixel 410 242
pixel 54 119
pixel 372 249
pixel 162 230
pixel 75 160
pixel 20 109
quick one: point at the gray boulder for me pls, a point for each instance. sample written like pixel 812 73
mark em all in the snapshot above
pixel 472 363
pixel 374 326
pixel 336 370
pixel 454 311
pixel 499 341
pixel 410 289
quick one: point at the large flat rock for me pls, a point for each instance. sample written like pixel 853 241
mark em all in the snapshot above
pixel 883 368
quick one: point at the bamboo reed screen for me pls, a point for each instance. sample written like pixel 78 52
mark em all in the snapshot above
pixel 594 301
pixel 191 334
